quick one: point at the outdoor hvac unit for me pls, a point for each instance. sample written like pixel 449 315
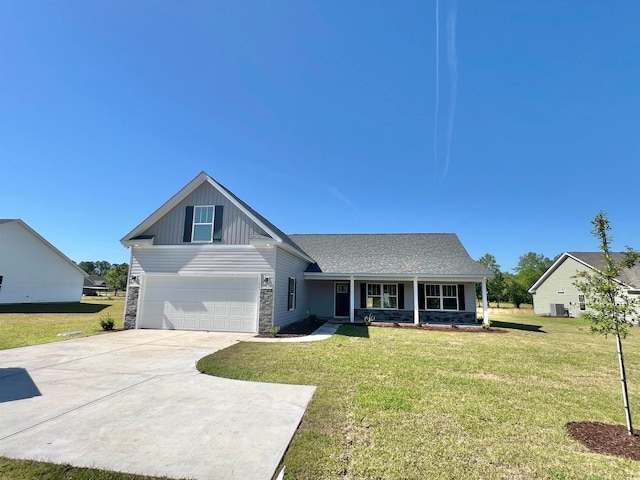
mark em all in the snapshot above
pixel 557 309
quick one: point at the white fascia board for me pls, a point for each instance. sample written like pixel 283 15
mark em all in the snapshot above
pixel 398 277
pixel 49 245
pixel 166 207
pixel 551 269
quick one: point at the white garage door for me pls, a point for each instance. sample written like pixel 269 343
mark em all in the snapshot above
pixel 222 304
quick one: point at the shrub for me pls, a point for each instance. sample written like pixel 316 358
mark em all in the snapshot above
pixel 106 322
pixel 273 331
pixel 369 319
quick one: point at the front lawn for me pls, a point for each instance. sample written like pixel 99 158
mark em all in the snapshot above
pixel 31 324
pixel 399 403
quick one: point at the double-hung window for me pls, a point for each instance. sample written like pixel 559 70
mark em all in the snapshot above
pixel 202 224
pixel 581 301
pixel 291 302
pixel 441 297
pixel 382 295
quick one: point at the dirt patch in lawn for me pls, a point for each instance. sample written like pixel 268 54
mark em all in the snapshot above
pixel 607 439
pixel 298 329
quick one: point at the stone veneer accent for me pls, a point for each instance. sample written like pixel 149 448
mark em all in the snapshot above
pixel 265 315
pixel 131 308
pixel 426 316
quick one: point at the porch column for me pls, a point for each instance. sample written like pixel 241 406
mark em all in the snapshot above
pixel 485 306
pixel 352 297
pixel 416 312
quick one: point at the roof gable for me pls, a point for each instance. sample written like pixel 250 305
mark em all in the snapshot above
pixel 41 239
pixel 272 232
pixel 391 254
pixel 629 277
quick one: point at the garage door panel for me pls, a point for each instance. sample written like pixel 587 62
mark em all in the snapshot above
pixel 199 303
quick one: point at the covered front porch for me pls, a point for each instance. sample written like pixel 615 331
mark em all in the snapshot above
pixel 399 299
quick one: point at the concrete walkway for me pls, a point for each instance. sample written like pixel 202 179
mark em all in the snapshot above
pixel 133 401
pixel 322 333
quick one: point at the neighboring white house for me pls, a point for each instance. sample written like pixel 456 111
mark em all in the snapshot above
pixel 555 286
pixel 205 260
pixel 34 271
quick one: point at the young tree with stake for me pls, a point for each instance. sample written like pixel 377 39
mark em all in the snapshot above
pixel 609 309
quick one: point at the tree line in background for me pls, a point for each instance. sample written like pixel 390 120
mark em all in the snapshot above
pixel 116 274
pixel 506 287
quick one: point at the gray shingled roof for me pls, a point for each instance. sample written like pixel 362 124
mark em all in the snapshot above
pixel 410 253
pixel 285 238
pixel 628 276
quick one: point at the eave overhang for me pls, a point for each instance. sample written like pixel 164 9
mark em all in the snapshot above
pixel 405 277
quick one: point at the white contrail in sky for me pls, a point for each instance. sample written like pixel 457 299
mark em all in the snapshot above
pixel 435 119
pixel 453 79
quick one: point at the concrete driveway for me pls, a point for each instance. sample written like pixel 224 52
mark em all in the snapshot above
pixel 133 402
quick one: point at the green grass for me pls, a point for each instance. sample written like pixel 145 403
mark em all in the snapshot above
pixel 31 324
pixel 410 404
pixel 28 470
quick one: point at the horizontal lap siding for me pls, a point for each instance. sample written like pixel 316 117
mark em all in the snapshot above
pixel 202 260
pixel 288 265
pixel 560 279
pixel 237 228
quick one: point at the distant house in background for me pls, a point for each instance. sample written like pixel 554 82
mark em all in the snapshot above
pixel 94 285
pixel 34 271
pixel 554 290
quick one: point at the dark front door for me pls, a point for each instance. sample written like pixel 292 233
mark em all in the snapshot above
pixel 342 300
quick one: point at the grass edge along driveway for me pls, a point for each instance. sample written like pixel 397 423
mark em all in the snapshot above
pixel 394 403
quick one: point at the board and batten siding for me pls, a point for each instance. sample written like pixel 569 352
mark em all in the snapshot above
pixel 34 273
pixel 288 265
pixel 237 228
pixel 320 297
pixel 202 259
pixel 560 280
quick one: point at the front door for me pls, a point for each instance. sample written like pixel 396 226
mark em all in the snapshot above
pixel 342 299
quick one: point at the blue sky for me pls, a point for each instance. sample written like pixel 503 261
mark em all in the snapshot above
pixel 509 123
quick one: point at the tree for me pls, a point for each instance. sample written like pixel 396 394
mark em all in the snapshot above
pixel 516 292
pixel 531 266
pixel 496 287
pixel 117 276
pixel 87 267
pixel 101 267
pixel 609 308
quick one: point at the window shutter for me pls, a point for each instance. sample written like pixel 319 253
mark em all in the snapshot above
pixel 401 296
pixel 363 295
pixel 421 305
pixel 461 297
pixel 217 224
pixel 188 224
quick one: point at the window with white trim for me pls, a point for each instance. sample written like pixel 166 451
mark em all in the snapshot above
pixel 382 295
pixel 441 297
pixel 202 224
pixel 581 301
pixel 1 277
pixel 291 302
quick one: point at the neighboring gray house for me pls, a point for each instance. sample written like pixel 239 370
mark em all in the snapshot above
pixel 94 285
pixel 205 260
pixel 556 287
